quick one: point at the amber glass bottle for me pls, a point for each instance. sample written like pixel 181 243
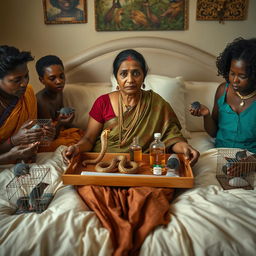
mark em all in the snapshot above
pixel 135 150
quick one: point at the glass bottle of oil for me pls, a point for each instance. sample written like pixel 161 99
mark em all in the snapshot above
pixel 157 154
pixel 135 150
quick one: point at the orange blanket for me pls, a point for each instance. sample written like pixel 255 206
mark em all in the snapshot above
pixel 129 214
pixel 66 137
pixel 25 109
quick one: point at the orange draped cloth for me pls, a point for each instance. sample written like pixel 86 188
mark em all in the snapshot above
pixel 129 214
pixel 66 137
pixel 25 109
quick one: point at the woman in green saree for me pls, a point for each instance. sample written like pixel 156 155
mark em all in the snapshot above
pixel 131 111
pixel 130 214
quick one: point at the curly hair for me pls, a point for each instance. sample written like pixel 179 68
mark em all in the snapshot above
pixel 11 57
pixel 55 3
pixel 129 53
pixel 239 49
pixel 47 61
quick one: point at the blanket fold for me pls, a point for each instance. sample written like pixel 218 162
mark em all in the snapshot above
pixel 129 214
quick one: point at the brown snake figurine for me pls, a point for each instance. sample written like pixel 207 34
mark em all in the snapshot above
pixel 118 163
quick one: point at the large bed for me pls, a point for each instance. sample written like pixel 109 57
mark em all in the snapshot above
pixel 205 219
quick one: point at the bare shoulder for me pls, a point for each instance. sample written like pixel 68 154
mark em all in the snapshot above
pixel 40 93
pixel 220 90
pixel 40 96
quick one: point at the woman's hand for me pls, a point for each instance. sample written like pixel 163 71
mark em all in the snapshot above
pixel 49 132
pixel 69 153
pixel 189 152
pixel 201 111
pixel 24 152
pixel 25 135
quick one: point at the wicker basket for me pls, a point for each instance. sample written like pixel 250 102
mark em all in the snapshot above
pixel 20 195
pixel 236 168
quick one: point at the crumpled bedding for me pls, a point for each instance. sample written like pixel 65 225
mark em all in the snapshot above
pixel 66 227
pixel 205 220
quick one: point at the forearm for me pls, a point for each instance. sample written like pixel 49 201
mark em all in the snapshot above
pixel 85 145
pixel 171 148
pixel 178 147
pixel 210 126
pixel 6 145
pixel 7 158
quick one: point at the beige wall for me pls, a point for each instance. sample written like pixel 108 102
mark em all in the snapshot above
pixel 22 25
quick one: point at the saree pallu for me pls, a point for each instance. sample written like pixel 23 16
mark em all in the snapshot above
pixel 156 115
pixel 130 214
pixel 25 109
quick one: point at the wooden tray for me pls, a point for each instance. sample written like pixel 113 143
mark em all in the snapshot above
pixel 144 177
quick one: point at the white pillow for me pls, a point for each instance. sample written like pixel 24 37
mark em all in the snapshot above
pixel 81 96
pixel 171 89
pixel 203 92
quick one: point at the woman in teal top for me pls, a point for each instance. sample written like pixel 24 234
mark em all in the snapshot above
pixel 233 118
pixel 236 130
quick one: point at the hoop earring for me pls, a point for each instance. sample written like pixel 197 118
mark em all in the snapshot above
pixel 143 86
pixel 117 88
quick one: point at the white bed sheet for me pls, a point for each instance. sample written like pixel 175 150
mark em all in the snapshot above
pixel 67 227
pixel 205 220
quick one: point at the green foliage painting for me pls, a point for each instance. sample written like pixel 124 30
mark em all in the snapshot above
pixel 140 15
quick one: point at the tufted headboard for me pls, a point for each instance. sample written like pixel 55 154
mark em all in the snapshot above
pixel 163 56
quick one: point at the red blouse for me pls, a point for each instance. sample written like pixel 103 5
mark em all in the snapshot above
pixel 102 109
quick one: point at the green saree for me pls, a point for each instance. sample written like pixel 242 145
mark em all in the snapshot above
pixel 155 115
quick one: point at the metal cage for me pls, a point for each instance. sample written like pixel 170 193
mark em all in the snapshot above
pixel 236 168
pixel 31 192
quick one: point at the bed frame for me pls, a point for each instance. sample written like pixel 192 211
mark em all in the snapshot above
pixel 163 56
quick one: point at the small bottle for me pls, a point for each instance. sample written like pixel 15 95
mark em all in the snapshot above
pixel 157 155
pixel 135 150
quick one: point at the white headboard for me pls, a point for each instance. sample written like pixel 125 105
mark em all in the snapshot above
pixel 163 56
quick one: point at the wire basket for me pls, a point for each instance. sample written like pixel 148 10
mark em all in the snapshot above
pixel 32 192
pixel 45 142
pixel 236 168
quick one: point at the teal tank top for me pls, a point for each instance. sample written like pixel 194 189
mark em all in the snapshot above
pixel 236 130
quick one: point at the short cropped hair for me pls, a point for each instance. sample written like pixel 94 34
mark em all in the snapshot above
pixel 45 62
pixel 126 54
pixel 11 57
pixel 239 49
pixel 55 3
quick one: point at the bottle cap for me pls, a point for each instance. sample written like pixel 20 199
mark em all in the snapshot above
pixel 157 170
pixel 135 140
pixel 157 135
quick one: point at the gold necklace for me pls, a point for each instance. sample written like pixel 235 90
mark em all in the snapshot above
pixel 128 107
pixel 246 97
pixel 125 130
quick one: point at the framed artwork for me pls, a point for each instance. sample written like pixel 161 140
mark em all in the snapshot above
pixel 141 15
pixel 64 11
pixel 221 10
